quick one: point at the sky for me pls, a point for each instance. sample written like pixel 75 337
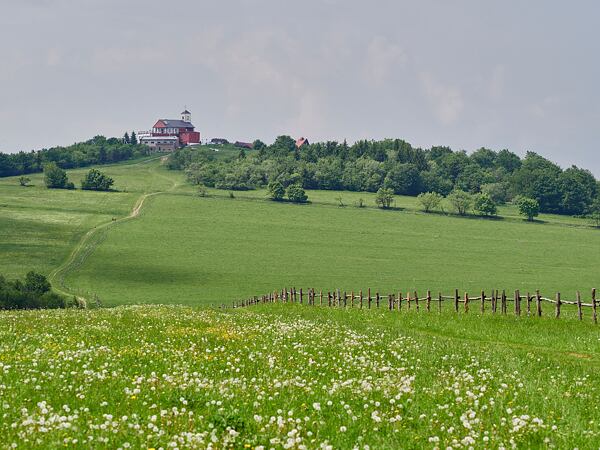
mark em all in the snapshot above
pixel 522 75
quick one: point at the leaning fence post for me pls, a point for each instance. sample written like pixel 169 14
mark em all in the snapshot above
pixel 594 316
pixel 352 300
pixel 579 312
pixel 466 302
pixel 416 301
pixel 558 302
pixel 538 303
pixel 428 306
pixel 361 299
pixel 456 300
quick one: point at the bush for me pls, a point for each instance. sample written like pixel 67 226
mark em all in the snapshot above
pixel 31 293
pixel 484 205
pixel 24 181
pixel 360 203
pixel 296 194
pixel 461 201
pixel 499 192
pixel 55 177
pixel 96 181
pixel 429 200
pixel 384 198
pixel 275 191
pixel 528 207
pixel 594 214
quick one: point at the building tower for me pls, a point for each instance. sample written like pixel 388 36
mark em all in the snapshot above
pixel 186 116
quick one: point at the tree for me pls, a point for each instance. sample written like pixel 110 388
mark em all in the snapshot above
pixel 126 139
pixel 36 283
pixel 384 198
pixel 485 205
pixel 96 181
pixel 429 200
pixel 242 154
pixel 55 177
pixel 276 191
pixel 528 207
pixel 461 201
pixel 499 192
pixel 258 145
pixel 133 140
pixel 594 214
pixel 24 181
pixel 296 194
pixel 403 179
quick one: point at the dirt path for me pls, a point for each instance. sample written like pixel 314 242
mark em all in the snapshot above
pixel 90 240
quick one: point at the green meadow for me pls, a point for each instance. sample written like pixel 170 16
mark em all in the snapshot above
pixel 187 249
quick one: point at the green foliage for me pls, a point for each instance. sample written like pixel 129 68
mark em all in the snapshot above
pixel 594 214
pixel 276 191
pixel 430 200
pixel 295 193
pixel 528 207
pixel 484 205
pixel 498 192
pixel 55 177
pixel 126 139
pixel 24 181
pixel 31 293
pixel 96 181
pixel 133 140
pixel 258 145
pixel 98 150
pixel 384 198
pixel 460 201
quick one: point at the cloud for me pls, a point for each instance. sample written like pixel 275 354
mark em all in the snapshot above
pixel 383 57
pixel 447 101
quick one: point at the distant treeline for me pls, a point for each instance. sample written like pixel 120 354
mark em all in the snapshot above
pixel 395 164
pixel 98 150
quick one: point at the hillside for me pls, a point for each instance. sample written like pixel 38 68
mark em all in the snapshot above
pixel 208 250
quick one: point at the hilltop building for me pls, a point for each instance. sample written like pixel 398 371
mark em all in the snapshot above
pixel 169 134
pixel 301 142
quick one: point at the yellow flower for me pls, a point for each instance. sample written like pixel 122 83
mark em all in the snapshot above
pixel 133 397
pixel 246 445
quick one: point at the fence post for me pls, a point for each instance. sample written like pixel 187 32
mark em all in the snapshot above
pixel 517 303
pixel 345 299
pixel 408 299
pixel 528 304
pixel 390 304
pixel 428 306
pixel 399 301
pixel 361 299
pixel 595 317
pixel 503 301
pixel 369 298
pixel 352 300
pixel 538 303
pixel 440 301
pixel 493 301
pixel 329 298
pixel 558 305
pixel 339 298
pixel 301 296
pixel 579 312
pixel 466 302
pixel 456 300
pixel 377 299
pixel 482 302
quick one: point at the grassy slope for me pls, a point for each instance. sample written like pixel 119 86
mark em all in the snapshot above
pixel 340 378
pixel 186 249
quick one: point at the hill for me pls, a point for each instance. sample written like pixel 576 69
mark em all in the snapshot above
pixel 201 250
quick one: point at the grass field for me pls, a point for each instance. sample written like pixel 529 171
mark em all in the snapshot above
pixel 201 250
pixel 283 376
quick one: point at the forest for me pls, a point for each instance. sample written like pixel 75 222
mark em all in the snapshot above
pixel 396 165
pixel 98 150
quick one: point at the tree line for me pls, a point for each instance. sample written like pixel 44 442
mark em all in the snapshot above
pixel 395 165
pixel 98 150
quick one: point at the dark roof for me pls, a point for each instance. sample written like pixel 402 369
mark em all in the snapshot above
pixel 186 112
pixel 174 123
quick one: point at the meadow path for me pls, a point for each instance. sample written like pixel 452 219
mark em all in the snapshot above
pixel 94 237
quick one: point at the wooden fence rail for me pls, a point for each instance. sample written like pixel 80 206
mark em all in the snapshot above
pixel 396 301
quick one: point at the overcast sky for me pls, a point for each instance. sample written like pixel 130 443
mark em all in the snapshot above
pixel 522 75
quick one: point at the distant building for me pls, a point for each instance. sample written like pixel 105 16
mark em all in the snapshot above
pixel 301 142
pixel 165 132
pixel 243 144
pixel 219 141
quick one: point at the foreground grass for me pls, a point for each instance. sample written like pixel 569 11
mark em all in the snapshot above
pixel 283 376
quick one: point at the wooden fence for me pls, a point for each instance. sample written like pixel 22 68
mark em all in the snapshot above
pixel 395 302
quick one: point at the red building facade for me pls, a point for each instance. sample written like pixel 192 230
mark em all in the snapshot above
pixel 183 129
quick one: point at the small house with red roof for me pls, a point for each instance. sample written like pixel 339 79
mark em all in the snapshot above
pixel 179 132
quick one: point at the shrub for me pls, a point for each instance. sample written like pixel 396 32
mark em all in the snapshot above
pixel 31 293
pixel 96 181
pixel 296 194
pixel 461 201
pixel 528 207
pixel 594 214
pixel 340 201
pixel 384 198
pixel 24 181
pixel 484 205
pixel 429 200
pixel 499 192
pixel 360 203
pixel 55 177
pixel 202 192
pixel 275 191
